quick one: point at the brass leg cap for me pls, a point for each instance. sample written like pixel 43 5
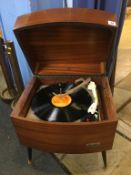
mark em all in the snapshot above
pixel 29 162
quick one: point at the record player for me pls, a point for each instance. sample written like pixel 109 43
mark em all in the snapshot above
pixel 61 46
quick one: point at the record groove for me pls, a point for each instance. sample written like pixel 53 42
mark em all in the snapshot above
pixel 44 108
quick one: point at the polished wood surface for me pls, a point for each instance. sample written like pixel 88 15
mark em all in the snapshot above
pixel 58 38
pixel 62 45
pixel 65 15
pixel 71 69
pixel 70 137
pixel 22 105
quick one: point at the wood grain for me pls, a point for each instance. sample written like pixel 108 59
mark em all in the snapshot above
pixel 66 137
pixel 62 45
pixel 64 37
pixel 65 15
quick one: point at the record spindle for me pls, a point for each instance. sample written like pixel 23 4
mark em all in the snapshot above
pixel 61 45
pixel 62 102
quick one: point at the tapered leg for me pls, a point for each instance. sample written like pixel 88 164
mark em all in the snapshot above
pixel 104 158
pixel 29 151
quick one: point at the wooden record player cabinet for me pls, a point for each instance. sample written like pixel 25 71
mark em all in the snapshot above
pixel 61 45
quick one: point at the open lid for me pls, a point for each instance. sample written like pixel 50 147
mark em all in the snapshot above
pixel 67 41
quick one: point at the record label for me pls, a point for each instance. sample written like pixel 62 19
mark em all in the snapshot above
pixel 53 103
pixel 61 100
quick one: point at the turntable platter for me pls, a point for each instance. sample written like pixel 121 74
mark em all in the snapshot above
pixel 53 104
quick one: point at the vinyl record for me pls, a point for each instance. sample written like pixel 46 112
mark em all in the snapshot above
pixel 49 104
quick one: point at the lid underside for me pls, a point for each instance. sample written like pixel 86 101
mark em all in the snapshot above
pixel 75 44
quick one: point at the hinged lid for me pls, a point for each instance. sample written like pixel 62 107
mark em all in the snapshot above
pixel 67 41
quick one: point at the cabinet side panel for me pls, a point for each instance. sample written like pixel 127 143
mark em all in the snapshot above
pixel 79 138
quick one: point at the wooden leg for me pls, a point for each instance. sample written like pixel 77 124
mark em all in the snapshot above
pixel 29 151
pixel 104 158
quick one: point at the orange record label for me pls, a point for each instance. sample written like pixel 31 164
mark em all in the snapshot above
pixel 61 100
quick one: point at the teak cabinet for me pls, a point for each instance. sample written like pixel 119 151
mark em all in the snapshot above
pixel 61 45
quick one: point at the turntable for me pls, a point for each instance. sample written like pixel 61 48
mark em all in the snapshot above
pixel 67 106
pixel 66 102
